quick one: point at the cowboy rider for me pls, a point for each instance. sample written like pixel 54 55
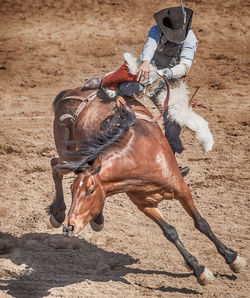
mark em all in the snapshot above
pixel 171 46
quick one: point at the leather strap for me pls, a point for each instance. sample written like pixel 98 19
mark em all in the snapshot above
pixel 84 101
pixel 65 116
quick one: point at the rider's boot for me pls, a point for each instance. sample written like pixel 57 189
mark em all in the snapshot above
pixel 92 83
pixel 184 170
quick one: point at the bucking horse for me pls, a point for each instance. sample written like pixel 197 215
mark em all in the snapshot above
pixel 113 145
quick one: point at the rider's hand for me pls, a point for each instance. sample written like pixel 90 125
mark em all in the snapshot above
pixel 143 72
pixel 166 72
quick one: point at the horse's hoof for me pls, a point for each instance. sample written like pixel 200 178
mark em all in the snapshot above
pixel 54 222
pixel 54 161
pixel 238 264
pixel 206 277
pixel 95 227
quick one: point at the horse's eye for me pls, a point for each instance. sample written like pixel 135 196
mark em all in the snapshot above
pixel 90 192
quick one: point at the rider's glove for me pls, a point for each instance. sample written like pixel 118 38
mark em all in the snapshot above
pixel 166 72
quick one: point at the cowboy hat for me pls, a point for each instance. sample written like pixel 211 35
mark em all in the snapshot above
pixel 174 22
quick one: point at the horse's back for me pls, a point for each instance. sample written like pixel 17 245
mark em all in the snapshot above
pixel 61 105
pixel 148 134
pixel 99 109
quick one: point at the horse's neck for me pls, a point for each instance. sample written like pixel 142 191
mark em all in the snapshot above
pixel 114 165
pixel 123 168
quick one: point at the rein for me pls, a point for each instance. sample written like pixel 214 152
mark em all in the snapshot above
pixel 155 119
pixel 195 104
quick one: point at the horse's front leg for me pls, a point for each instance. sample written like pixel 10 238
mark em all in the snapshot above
pixel 58 207
pixel 203 275
pixel 231 257
pixel 97 223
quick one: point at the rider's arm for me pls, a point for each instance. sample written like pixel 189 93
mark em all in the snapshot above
pixel 153 39
pixel 187 55
pixel 148 52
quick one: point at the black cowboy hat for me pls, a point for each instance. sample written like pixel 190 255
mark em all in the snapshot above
pixel 173 23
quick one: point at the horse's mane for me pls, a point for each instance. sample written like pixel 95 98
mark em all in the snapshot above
pixel 112 130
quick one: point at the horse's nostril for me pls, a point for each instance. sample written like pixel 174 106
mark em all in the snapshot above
pixel 71 228
pixel 68 229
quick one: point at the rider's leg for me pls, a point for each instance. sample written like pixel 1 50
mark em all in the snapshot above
pixel 172 133
pixel 130 88
pixel 92 83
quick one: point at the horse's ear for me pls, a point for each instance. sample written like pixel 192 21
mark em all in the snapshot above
pixel 90 184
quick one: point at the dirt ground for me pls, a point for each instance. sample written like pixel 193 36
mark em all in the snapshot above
pixel 48 46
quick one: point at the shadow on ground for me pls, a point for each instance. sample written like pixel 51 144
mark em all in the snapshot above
pixel 50 261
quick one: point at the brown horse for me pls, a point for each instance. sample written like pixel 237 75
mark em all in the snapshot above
pixel 114 148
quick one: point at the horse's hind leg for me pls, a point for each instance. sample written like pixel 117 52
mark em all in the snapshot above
pixel 231 257
pixel 58 207
pixel 204 275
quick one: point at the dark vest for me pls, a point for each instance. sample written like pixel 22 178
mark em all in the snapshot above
pixel 167 54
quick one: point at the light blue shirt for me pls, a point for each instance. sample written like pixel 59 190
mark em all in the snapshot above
pixel 189 45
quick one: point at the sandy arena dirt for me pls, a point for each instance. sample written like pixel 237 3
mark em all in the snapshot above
pixel 48 46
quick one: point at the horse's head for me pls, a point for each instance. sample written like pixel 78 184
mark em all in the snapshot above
pixel 87 191
pixel 87 202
